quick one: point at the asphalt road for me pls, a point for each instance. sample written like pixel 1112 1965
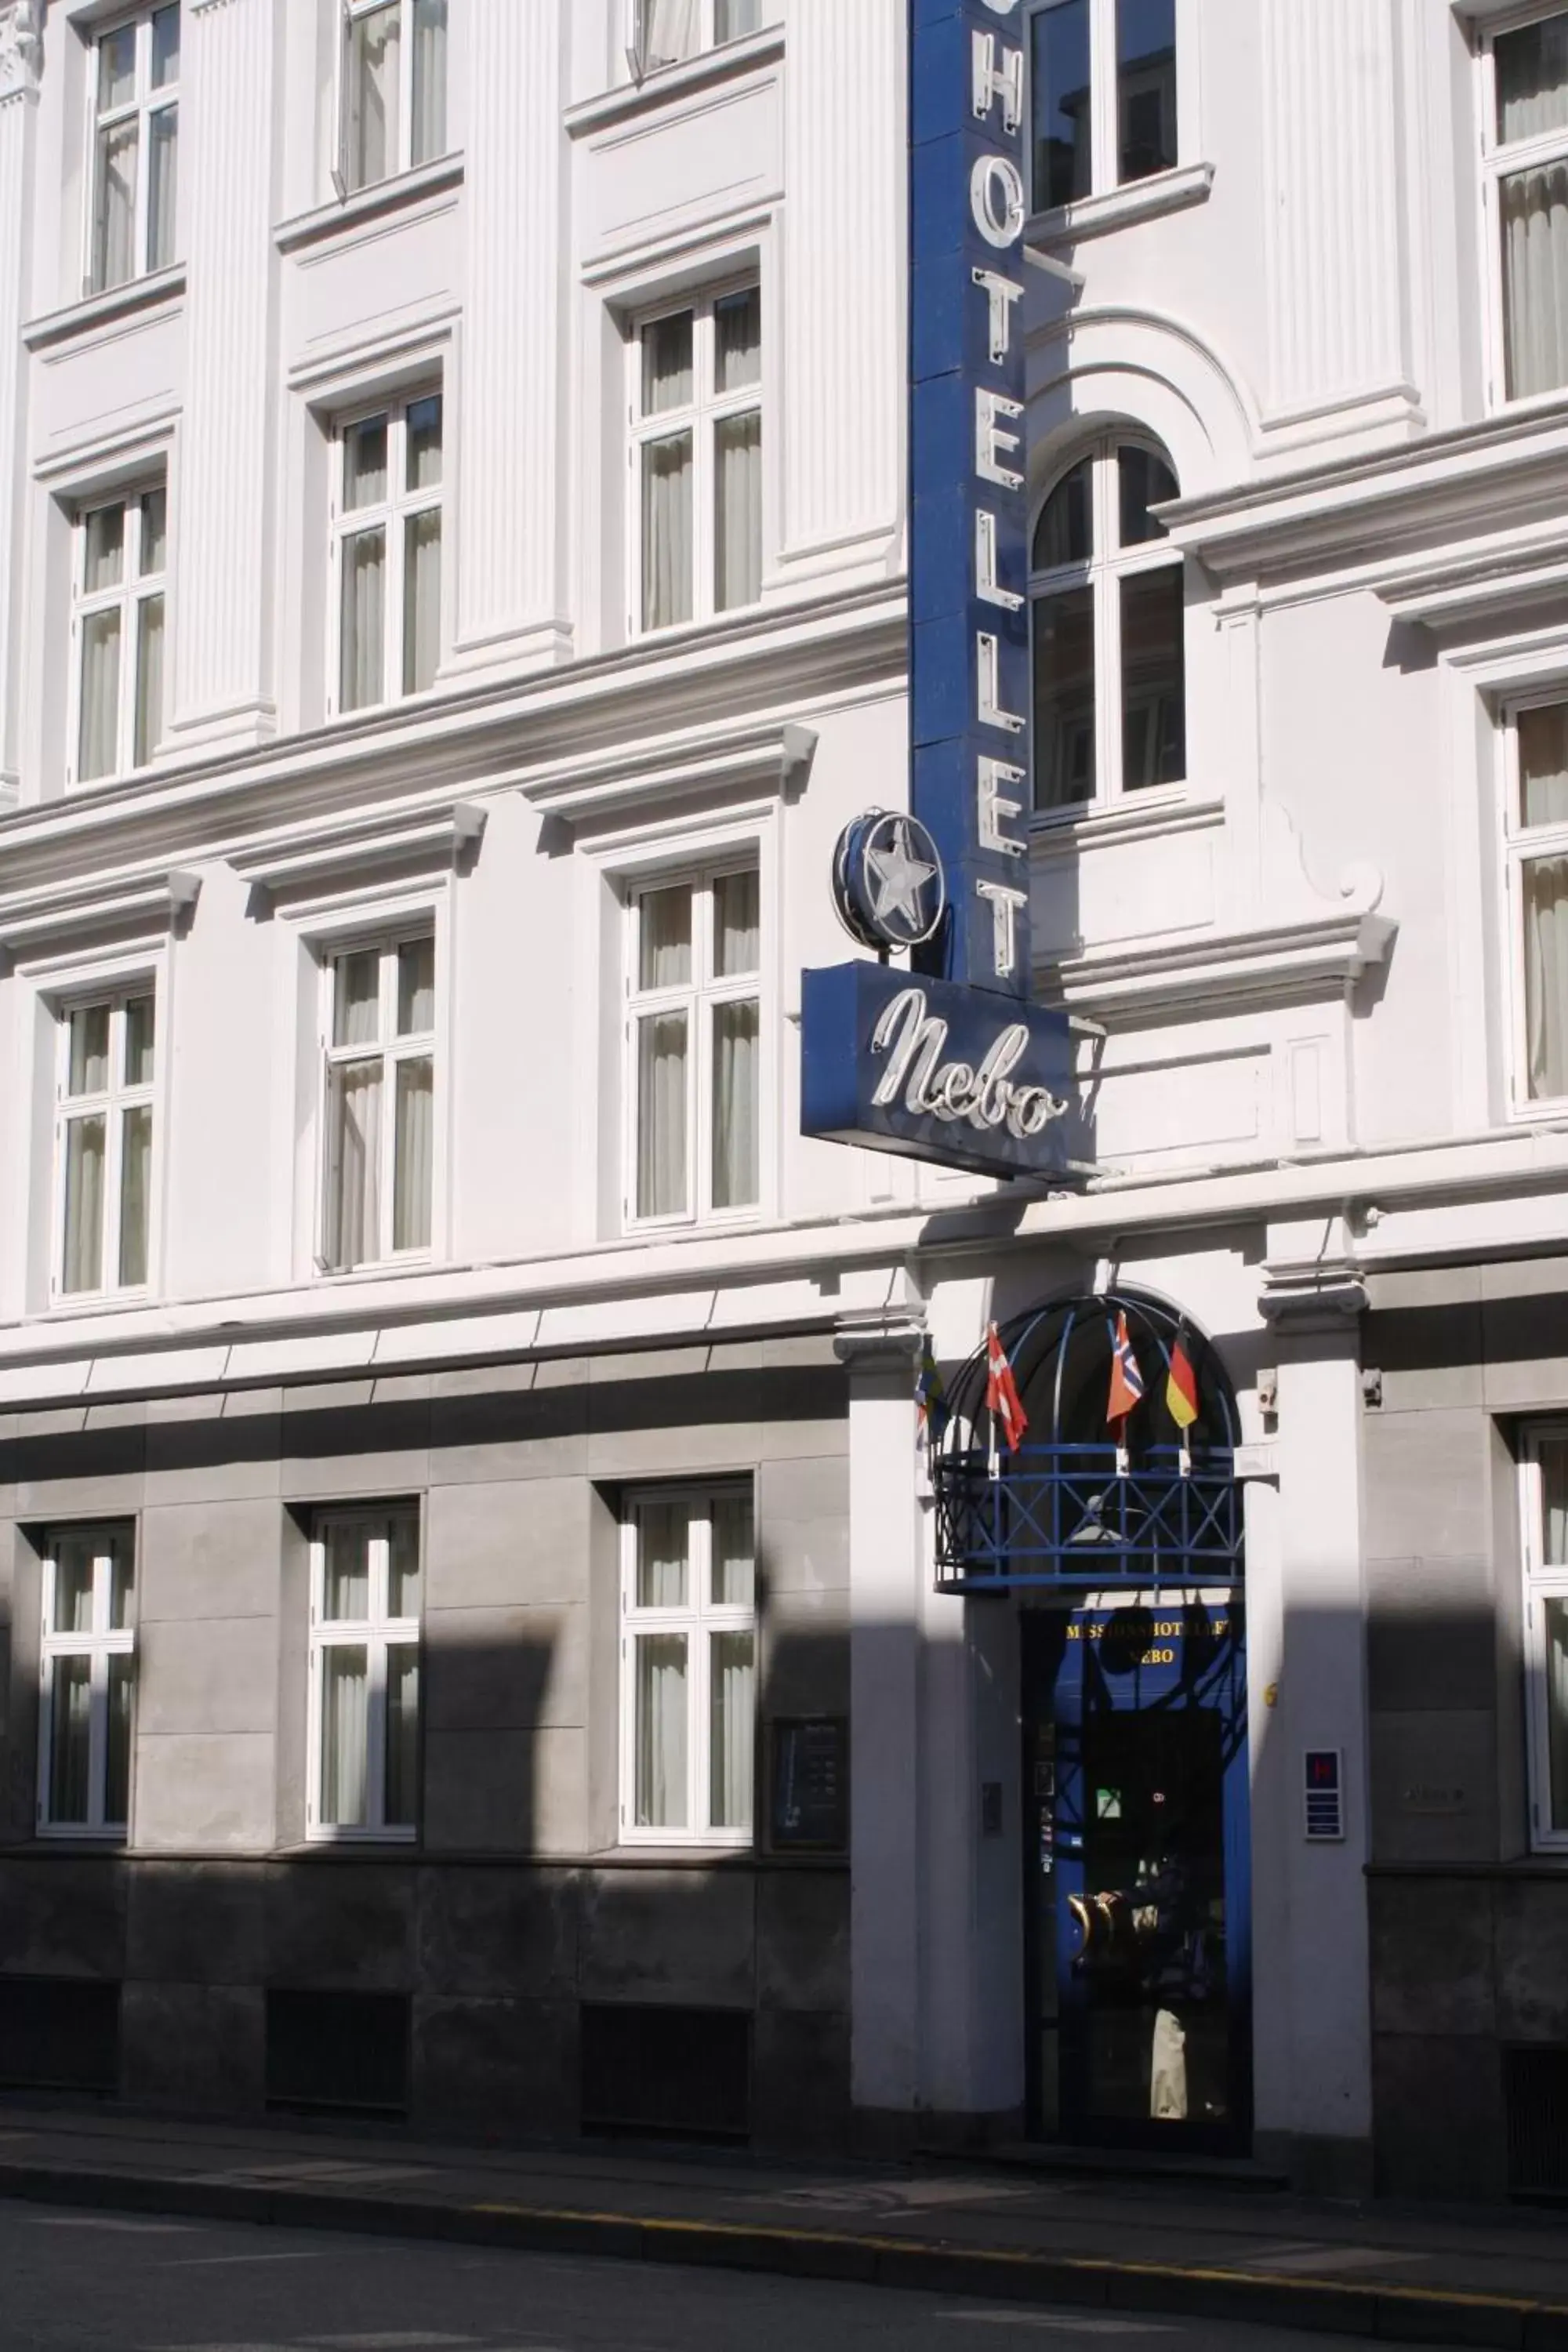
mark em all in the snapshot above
pixel 75 2282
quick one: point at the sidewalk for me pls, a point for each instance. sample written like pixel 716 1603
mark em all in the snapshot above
pixel 1183 2248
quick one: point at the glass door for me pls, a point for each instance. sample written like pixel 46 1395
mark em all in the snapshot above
pixel 1136 1875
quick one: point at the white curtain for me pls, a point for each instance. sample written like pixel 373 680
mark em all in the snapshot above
pixel 736 1052
pixel 70 1739
pixel 363 619
pixel 403 1567
pixel 73 1585
pixel 136 1192
pixel 738 511
pixel 401 1736
pixel 737 923
pixel 89 1050
pixel 664 925
pixel 1532 79
pixel 1535 278
pixel 667 530
pixel 662 1548
pixel 345 1578
pixel 732 19
pixel 429 124
pixel 371 140
pixel 345 1737
pixel 116 1771
pixel 414 1150
pixel 669 30
pixel 1545 890
pixel 661 1731
pixel 82 1267
pixel 1544 764
pixel 114 229
pixel 733 1686
pixel 149 678
pixel 421 600
pixel 164 185
pixel 661 1115
pixel 734 1575
pixel 98 753
pixel 353 1219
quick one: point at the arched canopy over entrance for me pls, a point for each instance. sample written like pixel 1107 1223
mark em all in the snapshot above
pixel 1100 1492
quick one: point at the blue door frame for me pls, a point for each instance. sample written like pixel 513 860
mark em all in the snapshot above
pixel 1137 1874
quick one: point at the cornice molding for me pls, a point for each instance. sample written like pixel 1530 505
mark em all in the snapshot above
pixel 668 85
pixel 140 298
pixel 444 837
pixel 405 193
pixel 777 758
pixel 35 920
pixel 1232 971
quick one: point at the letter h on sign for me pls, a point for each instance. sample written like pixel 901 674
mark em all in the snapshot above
pixel 968 634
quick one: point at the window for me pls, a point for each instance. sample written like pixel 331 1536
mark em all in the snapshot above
pixel 1535 742
pixel 666 31
pixel 135 148
pixel 121 558
pixel 379 1101
pixel 365 1673
pixel 89 1681
pixel 103 1144
pixel 1102 76
pixel 1106 607
pixel 1524 140
pixel 386 548
pixel 689 1666
pixel 694 1044
pixel 393 89
pixel 698 459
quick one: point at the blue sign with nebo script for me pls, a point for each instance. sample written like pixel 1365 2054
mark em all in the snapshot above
pixel 949 1061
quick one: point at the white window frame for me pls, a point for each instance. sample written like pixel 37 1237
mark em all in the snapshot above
pixel 1109 565
pixel 1521 847
pixel 112 1105
pixel 390 516
pixel 377 1632
pixel 709 14
pixel 389 1049
pixel 101 1645
pixel 349 13
pixel 144 105
pixel 1104 94
pixel 1542 1584
pixel 701 417
pixel 133 590
pixel 1499 162
pixel 697 998
pixel 698 1619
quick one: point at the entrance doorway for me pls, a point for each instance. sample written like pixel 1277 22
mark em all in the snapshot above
pixel 1135 1872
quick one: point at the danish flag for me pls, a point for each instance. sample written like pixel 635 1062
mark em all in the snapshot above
pixel 1003 1402
pixel 1126 1380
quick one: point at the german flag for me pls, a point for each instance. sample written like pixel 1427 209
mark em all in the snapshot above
pixel 1182 1388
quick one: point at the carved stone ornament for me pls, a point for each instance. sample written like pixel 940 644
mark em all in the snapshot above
pixel 21 46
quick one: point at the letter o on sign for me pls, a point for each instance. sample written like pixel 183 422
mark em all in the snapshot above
pixel 997 201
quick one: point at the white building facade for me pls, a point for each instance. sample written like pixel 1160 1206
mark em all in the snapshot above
pixel 485 1642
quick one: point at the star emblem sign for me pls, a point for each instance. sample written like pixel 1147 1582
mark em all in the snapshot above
pixel 900 876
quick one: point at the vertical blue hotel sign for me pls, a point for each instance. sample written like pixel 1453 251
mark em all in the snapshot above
pixel 948 1060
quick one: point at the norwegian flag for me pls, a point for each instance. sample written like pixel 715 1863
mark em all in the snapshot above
pixel 1126 1380
pixel 1003 1402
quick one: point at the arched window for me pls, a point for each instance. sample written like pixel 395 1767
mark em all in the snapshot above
pixel 1106 597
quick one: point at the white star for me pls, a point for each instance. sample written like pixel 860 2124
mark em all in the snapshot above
pixel 902 877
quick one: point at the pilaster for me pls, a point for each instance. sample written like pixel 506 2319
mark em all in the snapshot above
pixel 20 55
pixel 1339 358
pixel 846 246
pixel 1312 1962
pixel 511 568
pixel 884 1728
pixel 221 499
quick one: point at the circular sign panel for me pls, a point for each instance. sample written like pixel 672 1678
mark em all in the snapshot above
pixel 887 883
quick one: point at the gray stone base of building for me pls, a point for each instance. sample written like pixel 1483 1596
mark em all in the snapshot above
pixel 485 1998
pixel 1316 2164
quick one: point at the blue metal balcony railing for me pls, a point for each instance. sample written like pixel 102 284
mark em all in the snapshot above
pixel 1060 1515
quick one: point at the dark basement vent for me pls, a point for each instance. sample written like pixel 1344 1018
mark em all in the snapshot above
pixel 59 2033
pixel 343 2053
pixel 669 2074
pixel 1535 2104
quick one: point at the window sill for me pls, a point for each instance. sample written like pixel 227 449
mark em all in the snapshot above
pixel 164 289
pixel 1141 200
pixel 402 193
pixel 1137 816
pixel 362 1839
pixel 664 84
